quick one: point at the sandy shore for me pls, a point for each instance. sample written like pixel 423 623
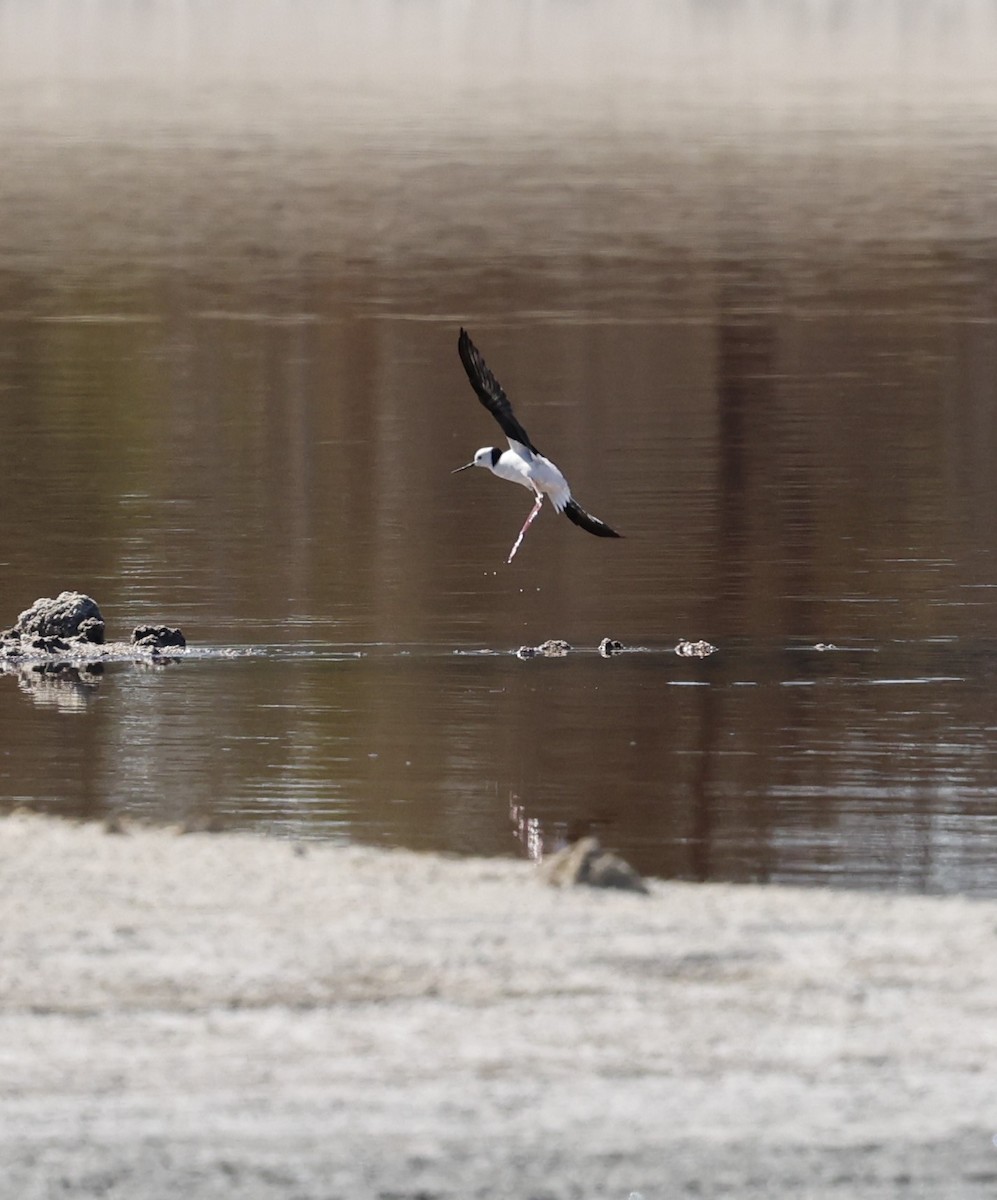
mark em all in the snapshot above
pixel 229 1016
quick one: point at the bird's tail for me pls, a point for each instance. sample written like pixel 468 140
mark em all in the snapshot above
pixel 575 513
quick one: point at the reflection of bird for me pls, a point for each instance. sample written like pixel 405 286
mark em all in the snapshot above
pixel 522 462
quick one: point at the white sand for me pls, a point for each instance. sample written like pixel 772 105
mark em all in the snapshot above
pixel 222 1016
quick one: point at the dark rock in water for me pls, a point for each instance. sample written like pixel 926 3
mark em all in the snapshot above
pixel 609 646
pixel 553 648
pixel 587 863
pixel 69 615
pixel 157 637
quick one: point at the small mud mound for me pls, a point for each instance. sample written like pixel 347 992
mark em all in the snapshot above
pixel 71 628
pixel 70 617
pixel 158 637
pixel 701 649
pixel 554 648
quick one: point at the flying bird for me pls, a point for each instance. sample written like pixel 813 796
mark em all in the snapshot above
pixel 522 463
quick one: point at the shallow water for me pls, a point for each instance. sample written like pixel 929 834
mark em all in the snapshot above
pixel 747 306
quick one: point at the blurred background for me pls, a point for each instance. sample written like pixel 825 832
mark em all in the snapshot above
pixel 734 263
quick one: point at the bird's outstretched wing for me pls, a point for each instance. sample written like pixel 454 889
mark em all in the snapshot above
pixel 490 392
pixel 575 513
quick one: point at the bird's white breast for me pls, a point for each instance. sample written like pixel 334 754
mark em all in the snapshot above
pixel 521 465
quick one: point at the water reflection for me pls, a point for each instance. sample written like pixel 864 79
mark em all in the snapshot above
pixel 867 765
pixel 58 685
pixel 742 282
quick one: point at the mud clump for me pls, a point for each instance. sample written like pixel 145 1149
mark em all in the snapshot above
pixel 71 628
pixel 552 648
pixel 53 625
pixel 700 649
pixel 158 637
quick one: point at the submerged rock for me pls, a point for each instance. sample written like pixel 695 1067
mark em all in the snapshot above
pixel 586 862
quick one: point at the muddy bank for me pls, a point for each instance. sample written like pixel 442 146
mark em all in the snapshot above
pixel 227 1016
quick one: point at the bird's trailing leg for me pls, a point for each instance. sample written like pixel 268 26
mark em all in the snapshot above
pixel 529 521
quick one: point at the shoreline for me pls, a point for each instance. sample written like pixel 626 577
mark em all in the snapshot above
pixel 222 1015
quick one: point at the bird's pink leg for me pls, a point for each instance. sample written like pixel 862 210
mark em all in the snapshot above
pixel 529 521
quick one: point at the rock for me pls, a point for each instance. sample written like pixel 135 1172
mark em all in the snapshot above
pixel 700 649
pixel 609 647
pixel 157 637
pixel 587 863
pixel 69 615
pixel 553 648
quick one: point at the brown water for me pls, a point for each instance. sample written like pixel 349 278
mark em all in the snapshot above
pixel 737 270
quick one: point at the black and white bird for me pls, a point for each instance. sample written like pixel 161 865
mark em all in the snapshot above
pixel 522 463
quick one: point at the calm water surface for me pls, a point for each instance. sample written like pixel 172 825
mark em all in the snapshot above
pixel 741 288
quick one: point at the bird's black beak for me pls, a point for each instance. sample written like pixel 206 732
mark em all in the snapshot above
pixel 463 468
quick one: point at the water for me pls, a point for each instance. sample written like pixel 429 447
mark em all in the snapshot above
pixel 735 267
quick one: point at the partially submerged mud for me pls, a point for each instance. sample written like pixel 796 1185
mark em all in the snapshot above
pixel 552 648
pixel 70 629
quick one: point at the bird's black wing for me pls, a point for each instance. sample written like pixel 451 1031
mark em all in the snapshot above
pixel 490 391
pixel 575 513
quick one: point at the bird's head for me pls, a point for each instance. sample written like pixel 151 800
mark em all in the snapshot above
pixel 486 457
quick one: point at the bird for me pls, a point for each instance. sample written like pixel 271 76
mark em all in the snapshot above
pixel 522 463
